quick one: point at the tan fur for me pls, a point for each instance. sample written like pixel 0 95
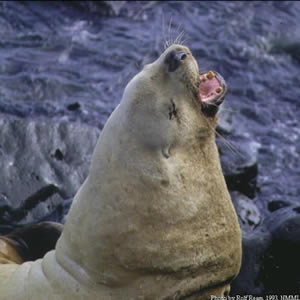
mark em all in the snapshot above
pixel 8 253
pixel 154 219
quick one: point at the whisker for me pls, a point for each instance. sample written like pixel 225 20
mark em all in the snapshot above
pixel 169 33
pixel 179 37
pixel 184 41
pixel 165 42
pixel 178 28
pixel 176 41
pixel 230 110
pixel 229 145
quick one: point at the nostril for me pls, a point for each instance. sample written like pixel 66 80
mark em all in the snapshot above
pixel 183 56
pixel 173 59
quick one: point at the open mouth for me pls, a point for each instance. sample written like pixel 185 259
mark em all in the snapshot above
pixel 212 88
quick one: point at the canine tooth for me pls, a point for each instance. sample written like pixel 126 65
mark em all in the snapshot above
pixel 210 75
pixel 219 90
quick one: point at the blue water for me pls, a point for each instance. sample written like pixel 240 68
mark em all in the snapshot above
pixel 71 61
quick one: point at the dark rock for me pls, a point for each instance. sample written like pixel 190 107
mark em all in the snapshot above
pixel 73 106
pixel 297 209
pixel 287 46
pixel 239 164
pixel 271 262
pixel 115 6
pixel 34 207
pixel 7 228
pixel 277 204
pixel 281 266
pixel 247 211
pixel 249 281
pixel 103 8
pixel 41 163
pixel 273 220
pixel 59 213
pixel 3 201
pixel 58 155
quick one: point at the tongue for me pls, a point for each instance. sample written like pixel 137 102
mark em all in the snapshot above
pixel 210 86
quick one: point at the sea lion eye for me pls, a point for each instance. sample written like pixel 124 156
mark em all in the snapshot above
pixel 174 58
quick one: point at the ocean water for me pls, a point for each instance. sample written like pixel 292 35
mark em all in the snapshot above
pixel 67 60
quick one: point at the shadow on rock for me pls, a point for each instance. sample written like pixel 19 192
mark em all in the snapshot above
pixel 271 256
pixel 239 164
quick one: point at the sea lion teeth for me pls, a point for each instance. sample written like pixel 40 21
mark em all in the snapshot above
pixel 210 75
pixel 219 90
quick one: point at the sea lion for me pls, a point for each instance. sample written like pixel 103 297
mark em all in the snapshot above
pixel 29 242
pixel 154 219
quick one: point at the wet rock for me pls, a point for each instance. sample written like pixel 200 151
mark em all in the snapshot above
pixel 41 163
pixel 271 262
pixel 249 281
pixel 239 163
pixel 60 212
pixel 73 106
pixel 281 266
pixel 273 220
pixel 3 201
pixel 33 208
pixel 288 46
pixel 115 6
pixel 247 211
pixel 224 120
pixel 277 204
pixel 103 8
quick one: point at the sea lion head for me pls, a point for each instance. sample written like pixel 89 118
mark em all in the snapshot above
pixel 174 99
